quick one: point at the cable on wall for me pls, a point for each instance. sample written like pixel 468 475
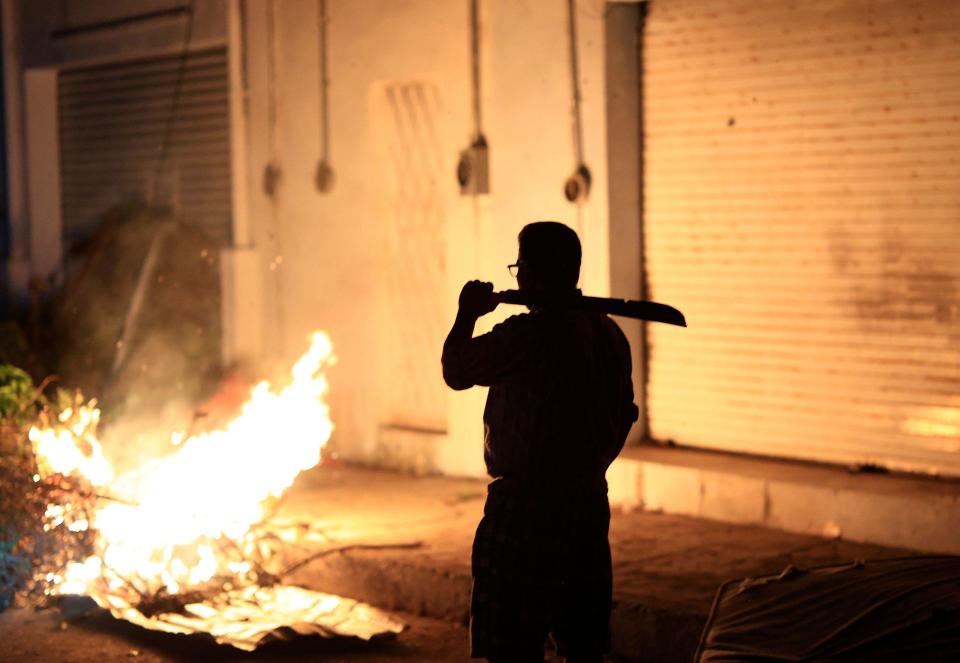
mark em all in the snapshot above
pixel 244 68
pixel 171 122
pixel 473 174
pixel 271 172
pixel 272 175
pixel 323 178
pixel 577 186
pixel 475 67
pixel 116 23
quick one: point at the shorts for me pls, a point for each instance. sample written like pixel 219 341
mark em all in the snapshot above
pixel 541 565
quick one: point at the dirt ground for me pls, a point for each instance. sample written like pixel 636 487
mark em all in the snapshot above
pixel 667 569
pixel 82 633
pixel 93 636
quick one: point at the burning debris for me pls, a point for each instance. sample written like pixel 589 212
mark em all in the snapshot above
pixel 45 513
pixel 254 615
pixel 181 544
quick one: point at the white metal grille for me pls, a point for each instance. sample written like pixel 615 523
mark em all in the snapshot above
pixel 409 150
pixel 802 208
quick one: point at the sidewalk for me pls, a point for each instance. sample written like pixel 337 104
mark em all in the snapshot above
pixel 666 568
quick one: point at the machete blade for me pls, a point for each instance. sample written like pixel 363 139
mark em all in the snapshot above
pixel 625 308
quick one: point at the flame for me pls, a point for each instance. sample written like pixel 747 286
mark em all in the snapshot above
pixel 211 489
pixel 62 446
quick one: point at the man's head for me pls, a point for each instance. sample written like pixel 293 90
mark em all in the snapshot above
pixel 549 257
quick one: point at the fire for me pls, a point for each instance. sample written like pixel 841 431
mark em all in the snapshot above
pixel 70 447
pixel 177 517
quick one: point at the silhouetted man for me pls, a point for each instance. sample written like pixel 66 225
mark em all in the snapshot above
pixel 558 411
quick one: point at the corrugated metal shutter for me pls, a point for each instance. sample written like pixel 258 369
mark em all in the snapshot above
pixel 114 119
pixel 802 206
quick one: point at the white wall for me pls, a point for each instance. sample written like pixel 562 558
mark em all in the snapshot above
pixel 307 260
pixel 333 246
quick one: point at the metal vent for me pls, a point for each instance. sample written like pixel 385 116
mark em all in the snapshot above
pixel 411 165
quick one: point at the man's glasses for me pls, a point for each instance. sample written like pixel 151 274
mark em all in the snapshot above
pixel 514 268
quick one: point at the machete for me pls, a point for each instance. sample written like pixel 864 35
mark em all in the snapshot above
pixel 625 308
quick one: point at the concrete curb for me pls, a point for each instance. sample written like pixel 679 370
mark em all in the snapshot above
pixel 391 582
pixel 921 513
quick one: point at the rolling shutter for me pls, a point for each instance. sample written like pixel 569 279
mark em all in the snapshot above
pixel 114 119
pixel 802 207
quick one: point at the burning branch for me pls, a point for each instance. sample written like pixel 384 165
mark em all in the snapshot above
pixel 184 534
pixel 46 513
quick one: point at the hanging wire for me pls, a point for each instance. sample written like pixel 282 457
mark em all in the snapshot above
pixel 323 177
pixel 271 172
pixel 244 73
pixel 175 101
pixel 575 74
pixel 271 79
pixel 324 80
pixel 475 65
pixel 272 176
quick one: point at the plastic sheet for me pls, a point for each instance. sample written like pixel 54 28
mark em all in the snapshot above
pixel 895 609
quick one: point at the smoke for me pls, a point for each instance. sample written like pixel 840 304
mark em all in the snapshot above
pixel 137 326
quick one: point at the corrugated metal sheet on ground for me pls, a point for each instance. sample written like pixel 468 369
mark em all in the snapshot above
pixel 802 208
pixel 249 617
pixel 114 120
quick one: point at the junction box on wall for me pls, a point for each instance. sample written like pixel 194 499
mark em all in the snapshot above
pixel 473 169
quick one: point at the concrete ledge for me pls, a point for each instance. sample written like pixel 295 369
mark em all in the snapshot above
pixel 410 450
pixel 892 510
pixel 393 583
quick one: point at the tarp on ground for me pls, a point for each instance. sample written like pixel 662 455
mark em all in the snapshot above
pixel 904 609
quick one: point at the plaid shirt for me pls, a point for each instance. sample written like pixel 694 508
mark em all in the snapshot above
pixel 560 403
